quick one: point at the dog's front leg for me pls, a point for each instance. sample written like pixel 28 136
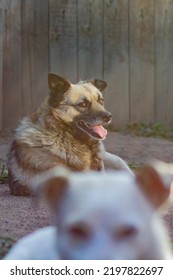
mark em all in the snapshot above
pixel 112 161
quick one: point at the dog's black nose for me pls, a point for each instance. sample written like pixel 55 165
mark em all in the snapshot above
pixel 106 117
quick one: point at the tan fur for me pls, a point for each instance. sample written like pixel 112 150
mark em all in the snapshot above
pixel 50 136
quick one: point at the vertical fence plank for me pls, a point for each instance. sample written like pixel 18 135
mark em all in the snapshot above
pixel 116 60
pixel 35 56
pixel 12 95
pixel 1 63
pixel 28 61
pixel 63 38
pixel 142 61
pixel 90 39
pixel 164 60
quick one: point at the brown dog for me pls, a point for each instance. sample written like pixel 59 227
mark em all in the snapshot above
pixel 65 130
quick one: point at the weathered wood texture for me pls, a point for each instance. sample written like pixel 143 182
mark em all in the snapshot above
pixel 1 63
pixel 12 95
pixel 35 53
pixel 164 60
pixel 63 37
pixel 129 43
pixel 116 59
pixel 90 39
pixel 141 57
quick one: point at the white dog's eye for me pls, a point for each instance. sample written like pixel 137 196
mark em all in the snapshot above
pixel 79 231
pixel 126 232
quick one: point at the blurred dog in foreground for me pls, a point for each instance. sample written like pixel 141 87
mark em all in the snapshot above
pixel 102 216
pixel 67 129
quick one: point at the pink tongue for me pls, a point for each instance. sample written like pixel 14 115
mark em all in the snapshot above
pixel 100 130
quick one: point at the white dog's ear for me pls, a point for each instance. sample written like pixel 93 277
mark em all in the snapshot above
pixel 54 190
pixel 51 185
pixel 155 181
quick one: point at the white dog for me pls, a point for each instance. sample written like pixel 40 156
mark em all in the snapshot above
pixel 102 216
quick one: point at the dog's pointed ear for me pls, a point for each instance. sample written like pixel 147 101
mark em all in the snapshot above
pixel 57 83
pixel 52 185
pixel 58 86
pixel 101 85
pixel 55 189
pixel 155 181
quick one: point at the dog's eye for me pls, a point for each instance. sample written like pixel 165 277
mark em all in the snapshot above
pixel 101 101
pixel 83 104
pixel 79 232
pixel 126 232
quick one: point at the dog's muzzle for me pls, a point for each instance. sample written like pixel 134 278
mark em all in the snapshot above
pixel 95 128
pixel 106 117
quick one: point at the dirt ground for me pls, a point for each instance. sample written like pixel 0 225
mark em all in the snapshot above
pixel 20 216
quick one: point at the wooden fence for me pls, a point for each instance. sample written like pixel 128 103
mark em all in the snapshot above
pixel 129 43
